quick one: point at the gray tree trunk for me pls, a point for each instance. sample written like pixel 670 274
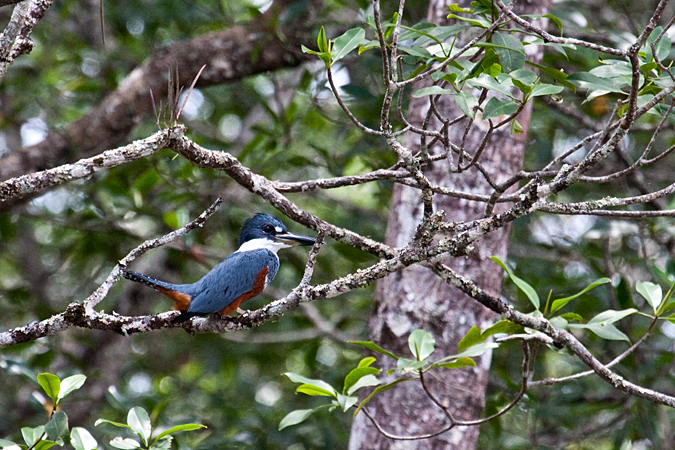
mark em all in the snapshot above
pixel 416 298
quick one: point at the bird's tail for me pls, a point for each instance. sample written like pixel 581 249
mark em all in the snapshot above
pixel 177 292
pixel 140 278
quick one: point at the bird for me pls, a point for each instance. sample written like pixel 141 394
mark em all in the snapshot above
pixel 239 277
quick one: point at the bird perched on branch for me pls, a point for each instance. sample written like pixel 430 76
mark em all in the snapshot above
pixel 241 276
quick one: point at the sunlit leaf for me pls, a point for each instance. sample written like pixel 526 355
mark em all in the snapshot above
pixel 350 40
pixel 81 439
pixel 177 428
pixel 295 417
pixel 320 385
pixel 69 384
pixel 124 443
pixel 611 316
pixel 356 374
pixel 421 344
pixel 346 401
pixel 139 422
pixel 651 292
pixel 458 363
pixel 365 381
pixel 51 385
pixel 110 422
pixel 604 330
pixel 31 435
pixel 313 390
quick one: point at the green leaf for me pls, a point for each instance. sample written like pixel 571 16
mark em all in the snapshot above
pixel 474 350
pixel 44 444
pixel 51 385
pixel 432 90
pixel 525 76
pixel 365 381
pixel 322 41
pixel 374 347
pixel 164 444
pixel 651 292
pixel 365 362
pixel 124 443
pixel 456 364
pixel 70 384
pixel 9 445
pixel 510 50
pixel 663 47
pixel 611 316
pixel 476 22
pixel 546 89
pixel 81 439
pixel 139 422
pixel 572 316
pixel 295 417
pixel 405 365
pixel 454 7
pixel 57 427
pixel 31 435
pixel 604 330
pixel 346 401
pixel 323 56
pixel 314 391
pixel 487 82
pixel 559 303
pixel 177 428
pixel 475 336
pixel 320 385
pixel 496 107
pixel 466 102
pixel 522 284
pixel 110 422
pixel 472 337
pixel 421 344
pixel 596 86
pixel 350 40
pixel 356 374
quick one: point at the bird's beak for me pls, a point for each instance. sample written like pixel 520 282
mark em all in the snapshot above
pixel 294 239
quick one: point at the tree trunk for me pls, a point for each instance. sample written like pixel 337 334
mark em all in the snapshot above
pixel 416 298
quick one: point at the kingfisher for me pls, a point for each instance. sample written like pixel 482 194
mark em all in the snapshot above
pixel 240 277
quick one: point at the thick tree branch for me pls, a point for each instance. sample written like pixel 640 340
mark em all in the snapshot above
pixel 230 55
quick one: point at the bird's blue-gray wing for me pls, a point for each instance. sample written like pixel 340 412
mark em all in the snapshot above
pixel 238 275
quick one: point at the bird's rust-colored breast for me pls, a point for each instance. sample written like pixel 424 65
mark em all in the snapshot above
pixel 258 287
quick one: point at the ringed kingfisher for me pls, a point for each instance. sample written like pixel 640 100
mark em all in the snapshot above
pixel 241 276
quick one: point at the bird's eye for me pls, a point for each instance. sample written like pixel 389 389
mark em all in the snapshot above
pixel 268 228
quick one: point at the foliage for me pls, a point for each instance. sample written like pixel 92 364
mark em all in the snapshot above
pixel 57 432
pixel 285 125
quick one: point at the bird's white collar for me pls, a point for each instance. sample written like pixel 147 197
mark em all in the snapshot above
pixel 257 244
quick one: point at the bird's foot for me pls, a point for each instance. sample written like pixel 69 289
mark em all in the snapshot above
pixel 242 311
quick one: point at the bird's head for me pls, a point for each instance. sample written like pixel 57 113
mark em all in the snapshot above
pixel 266 231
